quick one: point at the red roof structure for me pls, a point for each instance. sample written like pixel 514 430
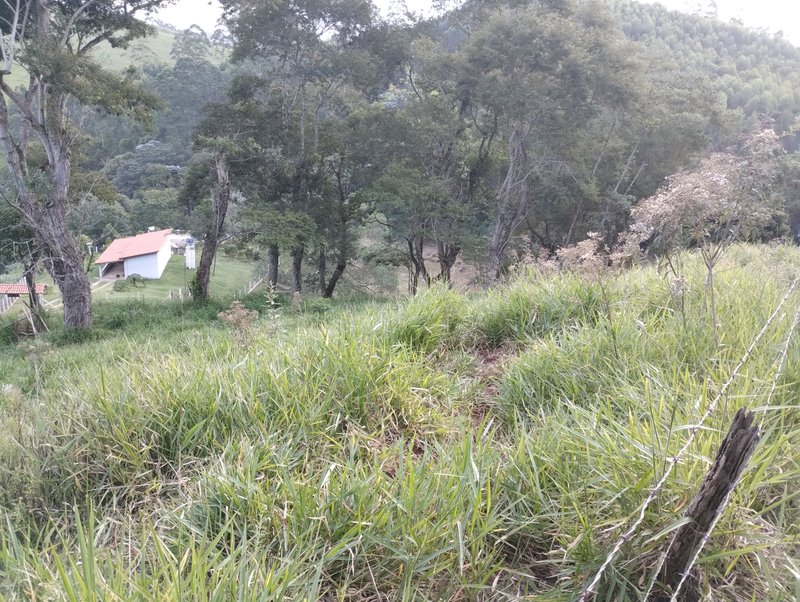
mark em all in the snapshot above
pixel 133 246
pixel 20 289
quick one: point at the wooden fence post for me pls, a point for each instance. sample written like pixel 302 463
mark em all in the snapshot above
pixel 706 507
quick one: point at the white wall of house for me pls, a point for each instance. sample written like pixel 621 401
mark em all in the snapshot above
pixel 144 265
pixel 151 265
pixel 163 256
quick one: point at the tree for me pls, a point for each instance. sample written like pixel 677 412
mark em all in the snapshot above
pixel 542 72
pixel 730 196
pixel 229 133
pixel 434 151
pixel 191 43
pixel 310 51
pixel 52 40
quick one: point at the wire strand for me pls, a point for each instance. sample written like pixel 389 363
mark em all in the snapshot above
pixel 590 589
pixel 707 535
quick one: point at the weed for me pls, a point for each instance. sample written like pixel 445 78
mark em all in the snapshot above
pixel 240 320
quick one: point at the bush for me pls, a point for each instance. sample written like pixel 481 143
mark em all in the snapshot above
pixel 137 280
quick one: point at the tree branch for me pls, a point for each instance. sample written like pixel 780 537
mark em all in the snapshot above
pixel 68 27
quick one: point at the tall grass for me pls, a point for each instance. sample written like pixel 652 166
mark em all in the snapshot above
pixel 478 447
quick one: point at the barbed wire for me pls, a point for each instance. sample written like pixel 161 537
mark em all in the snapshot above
pixel 622 539
pixel 707 534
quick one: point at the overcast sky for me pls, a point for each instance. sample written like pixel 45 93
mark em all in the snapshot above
pixel 773 15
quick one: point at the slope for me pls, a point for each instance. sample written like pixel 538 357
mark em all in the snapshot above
pixel 449 447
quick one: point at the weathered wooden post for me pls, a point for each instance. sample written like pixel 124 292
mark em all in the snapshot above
pixel 673 582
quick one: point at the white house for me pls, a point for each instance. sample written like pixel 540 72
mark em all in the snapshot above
pixel 146 254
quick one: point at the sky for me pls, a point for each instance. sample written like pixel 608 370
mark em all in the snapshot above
pixel 773 15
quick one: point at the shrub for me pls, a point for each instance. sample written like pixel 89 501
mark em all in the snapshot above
pixel 240 320
pixel 137 280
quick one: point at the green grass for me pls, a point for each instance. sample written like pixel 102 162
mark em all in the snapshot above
pixel 228 277
pixel 482 447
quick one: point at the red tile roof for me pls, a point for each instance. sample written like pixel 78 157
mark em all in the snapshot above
pixel 20 289
pixel 133 246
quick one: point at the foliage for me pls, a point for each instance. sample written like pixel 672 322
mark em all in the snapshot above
pixel 240 320
pixel 194 287
pixel 386 450
pixel 136 280
pixel 727 197
pixel 756 73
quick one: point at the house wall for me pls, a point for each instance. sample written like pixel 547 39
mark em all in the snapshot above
pixel 163 256
pixel 144 265
pixel 149 266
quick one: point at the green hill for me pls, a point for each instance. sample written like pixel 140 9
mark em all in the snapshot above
pixel 153 50
pixel 480 447
pixel 758 73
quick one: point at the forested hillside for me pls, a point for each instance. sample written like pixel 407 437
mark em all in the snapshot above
pixel 491 134
pixel 758 73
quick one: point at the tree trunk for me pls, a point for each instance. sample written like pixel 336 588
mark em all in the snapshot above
pixel 512 201
pixel 344 237
pixel 46 216
pixel 30 282
pixel 341 264
pixel 297 268
pixel 322 270
pixel 64 261
pixel 219 209
pixel 416 244
pixel 413 269
pixel 419 251
pixel 272 265
pixel 447 257
pixel 504 227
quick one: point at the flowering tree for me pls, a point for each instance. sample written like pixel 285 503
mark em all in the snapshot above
pixel 728 197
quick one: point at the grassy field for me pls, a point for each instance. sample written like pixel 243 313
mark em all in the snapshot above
pixel 484 447
pixel 227 278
